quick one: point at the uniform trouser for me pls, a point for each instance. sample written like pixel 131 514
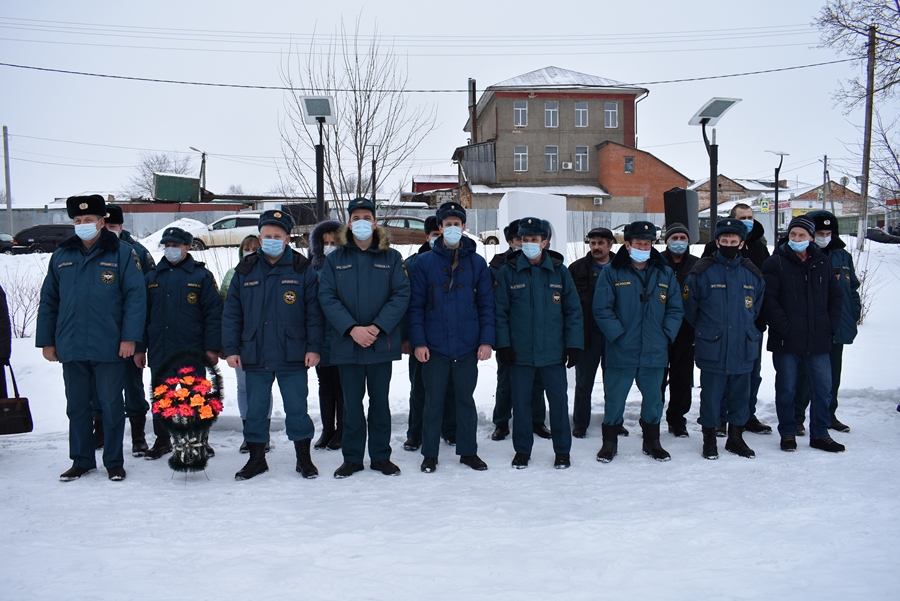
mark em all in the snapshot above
pixel 679 375
pixel 755 381
pixel 818 372
pixel 440 374
pixel 801 399
pixel 555 383
pixel 417 404
pixel 734 389
pixel 84 380
pixel 503 397
pixel 356 380
pixel 136 403
pixel 330 391
pixel 294 388
pixel 241 377
pixel 616 385
pixel 585 374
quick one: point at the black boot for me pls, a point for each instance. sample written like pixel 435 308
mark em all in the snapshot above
pixel 138 441
pixel 326 409
pixel 757 427
pixel 735 443
pixel 501 431
pixel 98 433
pixel 256 465
pixel 162 444
pixel 651 444
pixel 610 446
pixel 269 436
pixel 304 461
pixel 245 447
pixel 338 439
pixel 210 452
pixel 710 450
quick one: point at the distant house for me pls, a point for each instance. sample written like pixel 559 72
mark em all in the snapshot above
pixel 541 131
pixel 730 190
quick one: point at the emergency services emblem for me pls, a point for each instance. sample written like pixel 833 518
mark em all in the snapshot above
pixel 748 302
pixel 290 297
pixel 192 298
pixel 685 292
pixel 847 277
pixel 557 298
pixel 662 296
pixel 83 206
pixel 137 262
pixel 107 277
pixel 276 215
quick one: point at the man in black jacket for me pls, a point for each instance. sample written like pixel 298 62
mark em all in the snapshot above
pixel 803 309
pixel 754 249
pixel 679 375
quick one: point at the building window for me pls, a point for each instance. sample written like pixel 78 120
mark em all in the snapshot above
pixel 520 158
pixel 629 164
pixel 551 158
pixel 581 114
pixel 735 197
pixel 581 158
pixel 520 113
pixel 551 113
pixel 611 114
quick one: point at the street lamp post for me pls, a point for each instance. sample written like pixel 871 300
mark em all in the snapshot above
pixel 781 156
pixel 319 110
pixel 709 114
pixel 202 168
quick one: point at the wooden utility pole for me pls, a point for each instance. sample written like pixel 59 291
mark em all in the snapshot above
pixel 824 180
pixel 867 143
pixel 6 169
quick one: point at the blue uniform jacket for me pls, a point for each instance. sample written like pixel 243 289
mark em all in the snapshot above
pixel 803 301
pixel 362 288
pixel 722 300
pixel 184 310
pixel 845 274
pixel 91 301
pixel 639 319
pixel 451 311
pixel 143 255
pixel 537 310
pixel 272 316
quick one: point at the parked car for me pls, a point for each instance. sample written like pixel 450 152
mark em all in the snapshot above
pixel 227 231
pixel 404 229
pixel 6 244
pixel 876 234
pixel 44 238
pixel 491 236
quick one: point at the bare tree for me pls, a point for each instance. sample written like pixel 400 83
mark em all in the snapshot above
pixel 234 190
pixel 23 294
pixel 140 184
pixel 374 117
pixel 844 26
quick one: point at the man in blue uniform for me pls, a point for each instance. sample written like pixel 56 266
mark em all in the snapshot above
pixel 539 328
pixel 273 328
pixel 90 318
pixel 722 298
pixel 451 328
pixel 364 292
pixel 136 405
pixel 638 307
pixel 184 313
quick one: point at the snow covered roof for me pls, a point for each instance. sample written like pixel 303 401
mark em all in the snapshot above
pixel 436 179
pixel 573 190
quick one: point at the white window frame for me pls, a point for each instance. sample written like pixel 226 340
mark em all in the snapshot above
pixel 581 160
pixel 625 166
pixel 551 159
pixel 581 114
pixel 551 113
pixel 520 159
pixel 520 112
pixel 611 114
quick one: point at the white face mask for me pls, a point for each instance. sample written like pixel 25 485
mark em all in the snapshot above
pixel 823 241
pixel 328 249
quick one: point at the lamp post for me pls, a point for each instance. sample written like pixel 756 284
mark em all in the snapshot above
pixel 319 110
pixel 202 167
pixel 781 156
pixel 709 114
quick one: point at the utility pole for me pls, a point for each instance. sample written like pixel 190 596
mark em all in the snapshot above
pixel 473 110
pixel 867 143
pixel 6 169
pixel 824 180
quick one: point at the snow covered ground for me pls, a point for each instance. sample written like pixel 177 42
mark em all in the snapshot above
pixel 807 525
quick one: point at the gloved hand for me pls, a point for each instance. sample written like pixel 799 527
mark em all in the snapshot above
pixel 506 356
pixel 571 356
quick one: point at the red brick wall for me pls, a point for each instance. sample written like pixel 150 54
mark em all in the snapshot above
pixel 650 179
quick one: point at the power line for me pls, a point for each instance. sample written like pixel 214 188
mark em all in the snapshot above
pixel 412 91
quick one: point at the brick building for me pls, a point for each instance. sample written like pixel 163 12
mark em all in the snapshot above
pixel 635 179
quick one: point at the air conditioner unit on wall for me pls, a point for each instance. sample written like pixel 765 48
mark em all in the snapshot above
pixel 598 202
pixel 567 166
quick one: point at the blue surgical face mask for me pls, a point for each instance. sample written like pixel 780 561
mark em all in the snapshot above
pixel 639 256
pixel 362 230
pixel 86 231
pixel 748 223
pixel 678 247
pixel 452 234
pixel 531 250
pixel 431 242
pixel 328 249
pixel 798 246
pixel 173 254
pixel 272 247
pixel 823 241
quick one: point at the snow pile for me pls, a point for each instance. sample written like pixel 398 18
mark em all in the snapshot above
pixel 192 226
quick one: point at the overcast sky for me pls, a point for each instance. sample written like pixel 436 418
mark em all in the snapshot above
pixel 71 134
